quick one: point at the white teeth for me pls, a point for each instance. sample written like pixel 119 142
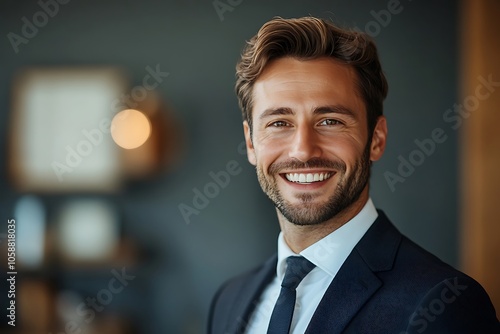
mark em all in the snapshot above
pixel 307 178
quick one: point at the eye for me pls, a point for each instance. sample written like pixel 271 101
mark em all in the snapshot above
pixel 278 124
pixel 330 121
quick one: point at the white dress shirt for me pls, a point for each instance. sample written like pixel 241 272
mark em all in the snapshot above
pixel 328 254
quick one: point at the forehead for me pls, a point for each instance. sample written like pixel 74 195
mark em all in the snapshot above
pixel 292 83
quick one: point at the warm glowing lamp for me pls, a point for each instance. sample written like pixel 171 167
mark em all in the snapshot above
pixel 130 128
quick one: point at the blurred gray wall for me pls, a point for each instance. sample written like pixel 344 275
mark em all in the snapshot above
pixel 238 228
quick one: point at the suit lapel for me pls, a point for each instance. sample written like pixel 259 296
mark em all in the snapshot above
pixel 356 280
pixel 352 287
pixel 249 296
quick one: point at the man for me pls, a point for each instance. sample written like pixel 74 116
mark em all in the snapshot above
pixel 311 95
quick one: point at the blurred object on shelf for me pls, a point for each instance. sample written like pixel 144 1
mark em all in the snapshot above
pixel 112 324
pixel 88 230
pixel 30 216
pixel 71 312
pixel 35 302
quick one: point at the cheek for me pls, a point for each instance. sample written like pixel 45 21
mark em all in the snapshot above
pixel 346 150
pixel 267 153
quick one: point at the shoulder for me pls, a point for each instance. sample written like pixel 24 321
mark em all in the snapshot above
pixel 389 253
pixel 436 297
pixel 455 305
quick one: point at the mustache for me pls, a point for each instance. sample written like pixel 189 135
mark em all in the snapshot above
pixel 319 163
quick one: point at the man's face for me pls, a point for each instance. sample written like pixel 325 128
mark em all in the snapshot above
pixel 310 141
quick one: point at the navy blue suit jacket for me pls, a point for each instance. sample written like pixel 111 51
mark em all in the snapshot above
pixel 388 284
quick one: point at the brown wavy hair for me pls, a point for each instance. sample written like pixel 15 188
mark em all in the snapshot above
pixel 309 38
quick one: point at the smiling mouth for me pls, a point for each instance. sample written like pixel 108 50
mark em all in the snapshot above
pixel 307 178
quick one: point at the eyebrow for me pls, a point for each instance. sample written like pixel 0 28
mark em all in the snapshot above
pixel 276 111
pixel 332 109
pixel 335 109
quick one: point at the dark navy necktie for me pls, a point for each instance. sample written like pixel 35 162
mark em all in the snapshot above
pixel 281 318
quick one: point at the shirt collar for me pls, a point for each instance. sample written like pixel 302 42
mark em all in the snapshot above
pixel 330 252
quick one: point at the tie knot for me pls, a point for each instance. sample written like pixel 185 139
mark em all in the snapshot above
pixel 297 268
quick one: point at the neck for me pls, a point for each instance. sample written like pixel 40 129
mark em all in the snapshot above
pixel 299 237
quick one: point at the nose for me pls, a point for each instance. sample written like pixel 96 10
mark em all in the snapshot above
pixel 304 144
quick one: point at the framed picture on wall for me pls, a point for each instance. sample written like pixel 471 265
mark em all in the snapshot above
pixel 60 129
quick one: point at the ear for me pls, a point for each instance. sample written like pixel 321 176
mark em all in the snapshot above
pixel 249 144
pixel 379 139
